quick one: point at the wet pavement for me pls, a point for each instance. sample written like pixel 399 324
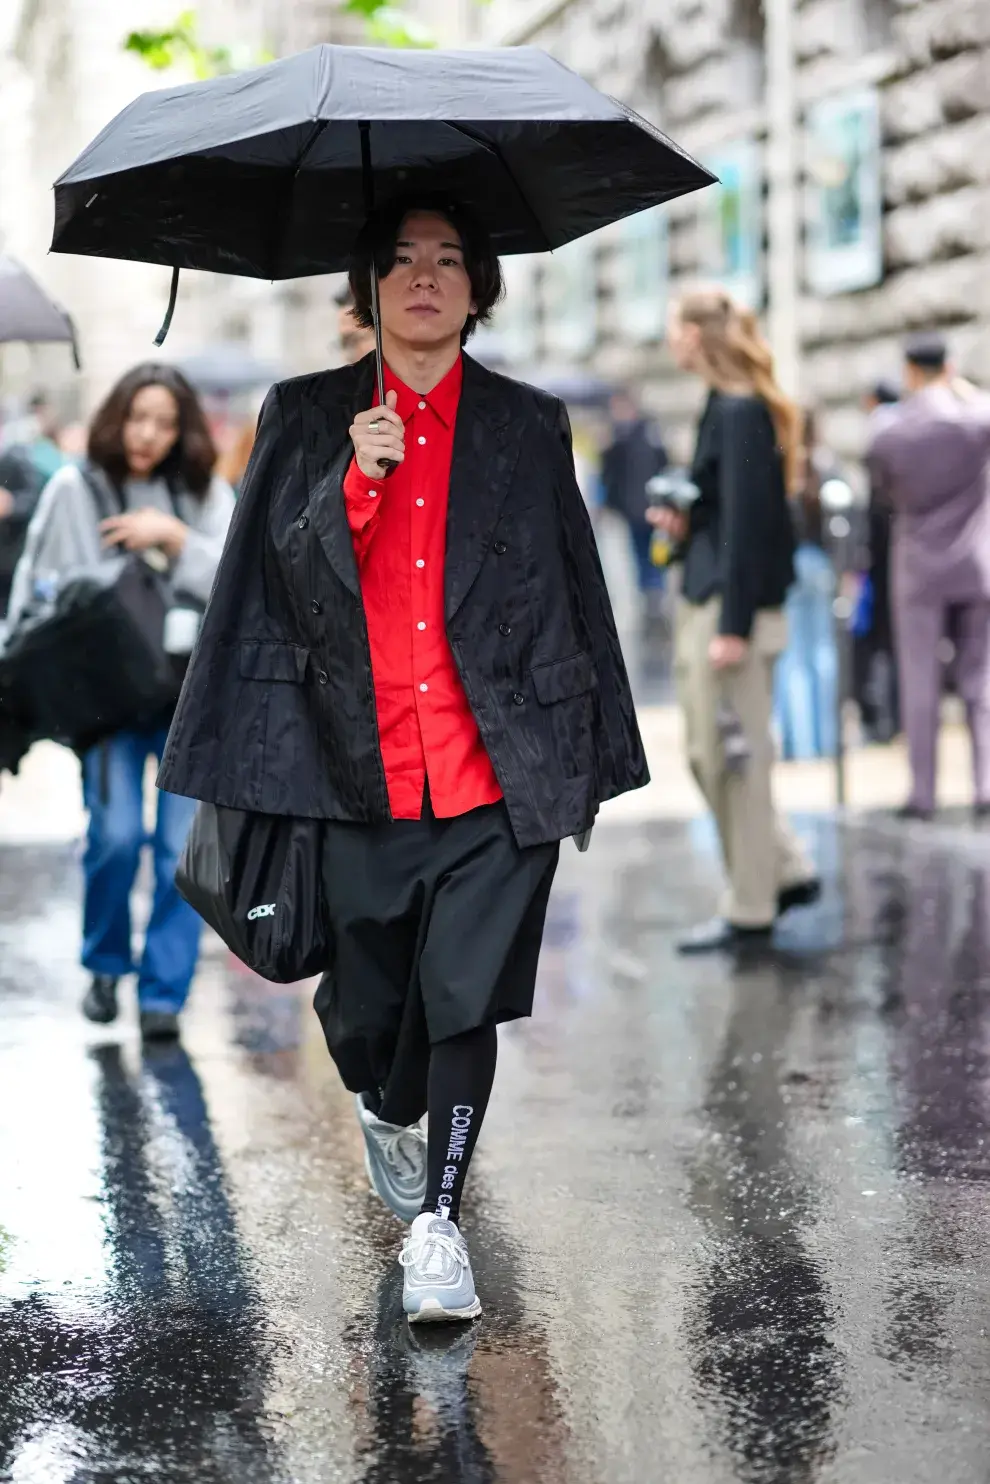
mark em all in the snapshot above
pixel 729 1221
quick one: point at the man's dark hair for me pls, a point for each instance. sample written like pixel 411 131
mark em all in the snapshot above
pixel 189 463
pixel 886 393
pixel 927 352
pixel 377 240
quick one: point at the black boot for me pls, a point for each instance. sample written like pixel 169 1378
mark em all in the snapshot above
pixel 100 1003
pixel 719 935
pixel 159 1025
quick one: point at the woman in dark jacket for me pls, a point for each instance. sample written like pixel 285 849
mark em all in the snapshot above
pixel 150 458
pixel 738 556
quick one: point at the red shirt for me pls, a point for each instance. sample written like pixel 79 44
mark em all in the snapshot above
pixel 399 529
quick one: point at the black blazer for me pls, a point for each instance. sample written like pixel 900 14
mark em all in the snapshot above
pixel 741 541
pixel 278 710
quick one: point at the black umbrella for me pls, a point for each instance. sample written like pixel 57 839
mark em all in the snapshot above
pixel 27 313
pixel 270 173
pixel 227 367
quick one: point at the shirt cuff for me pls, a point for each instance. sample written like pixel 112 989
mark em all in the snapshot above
pixel 361 497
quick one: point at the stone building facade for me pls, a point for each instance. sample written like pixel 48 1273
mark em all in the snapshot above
pixel 709 72
pixel 712 73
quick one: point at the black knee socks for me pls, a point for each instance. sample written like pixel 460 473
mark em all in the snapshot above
pixel 462 1071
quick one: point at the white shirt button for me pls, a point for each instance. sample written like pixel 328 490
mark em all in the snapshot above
pixel 420 502
pixel 372 494
pixel 421 439
pixel 424 686
pixel 421 625
pixel 422 406
pixel 421 563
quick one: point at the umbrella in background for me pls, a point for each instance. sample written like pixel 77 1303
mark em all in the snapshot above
pixel 271 172
pixel 227 367
pixel 576 388
pixel 27 313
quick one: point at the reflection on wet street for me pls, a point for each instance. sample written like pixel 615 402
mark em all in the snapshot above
pixel 728 1220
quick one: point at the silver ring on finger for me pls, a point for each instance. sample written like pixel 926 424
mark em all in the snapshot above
pixel 373 427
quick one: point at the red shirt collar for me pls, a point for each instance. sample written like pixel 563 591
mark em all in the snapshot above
pixel 443 399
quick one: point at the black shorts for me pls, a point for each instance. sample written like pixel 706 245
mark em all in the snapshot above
pixel 436 926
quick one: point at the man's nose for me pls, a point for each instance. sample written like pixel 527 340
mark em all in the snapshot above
pixel 424 276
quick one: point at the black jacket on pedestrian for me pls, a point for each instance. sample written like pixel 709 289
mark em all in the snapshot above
pixel 635 454
pixel 741 540
pixel 278 714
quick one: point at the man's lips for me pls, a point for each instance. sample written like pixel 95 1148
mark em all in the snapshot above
pixel 423 309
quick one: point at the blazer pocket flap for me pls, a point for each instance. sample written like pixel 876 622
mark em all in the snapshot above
pixel 563 679
pixel 274 662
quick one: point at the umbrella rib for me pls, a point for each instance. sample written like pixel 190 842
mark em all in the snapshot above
pixel 283 226
pixel 494 149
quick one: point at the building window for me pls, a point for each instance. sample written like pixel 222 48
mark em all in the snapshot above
pixel 570 299
pixel 641 268
pixel 845 239
pixel 731 222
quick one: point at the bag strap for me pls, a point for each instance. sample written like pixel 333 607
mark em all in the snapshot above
pixel 108 498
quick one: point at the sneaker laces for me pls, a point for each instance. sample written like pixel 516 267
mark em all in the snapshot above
pixel 430 1250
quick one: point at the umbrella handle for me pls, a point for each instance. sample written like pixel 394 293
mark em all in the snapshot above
pixel 388 466
pixel 166 322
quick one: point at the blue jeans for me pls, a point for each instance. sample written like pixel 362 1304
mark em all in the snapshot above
pixel 807 675
pixel 113 792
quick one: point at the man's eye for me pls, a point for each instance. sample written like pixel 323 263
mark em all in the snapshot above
pixel 449 263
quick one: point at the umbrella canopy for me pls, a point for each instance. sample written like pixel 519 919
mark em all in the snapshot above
pixel 576 388
pixel 260 173
pixel 227 367
pixel 27 313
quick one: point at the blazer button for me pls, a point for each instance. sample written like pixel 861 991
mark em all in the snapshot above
pixel 323 677
pixel 505 629
pixel 500 548
pixel 315 607
pixel 518 699
pixel 303 522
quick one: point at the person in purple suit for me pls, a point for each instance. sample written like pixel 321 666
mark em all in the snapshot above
pixel 930 463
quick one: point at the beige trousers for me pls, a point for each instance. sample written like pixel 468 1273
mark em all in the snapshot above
pixel 761 855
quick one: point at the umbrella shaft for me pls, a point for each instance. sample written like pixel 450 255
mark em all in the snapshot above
pixel 368 182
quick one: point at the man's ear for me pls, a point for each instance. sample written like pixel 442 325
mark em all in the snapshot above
pixel 472 307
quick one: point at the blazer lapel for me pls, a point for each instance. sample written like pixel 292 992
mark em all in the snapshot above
pixel 483 462
pixel 328 453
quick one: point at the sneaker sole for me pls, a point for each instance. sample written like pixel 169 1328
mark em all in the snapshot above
pixel 431 1311
pixel 407 1214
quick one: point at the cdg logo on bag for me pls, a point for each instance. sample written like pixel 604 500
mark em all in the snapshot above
pixel 267 910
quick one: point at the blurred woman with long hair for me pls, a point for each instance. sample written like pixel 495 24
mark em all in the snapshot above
pixel 150 459
pixel 737 548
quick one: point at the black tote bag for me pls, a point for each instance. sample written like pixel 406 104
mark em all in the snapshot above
pixel 256 879
pixel 90 660
pixel 92 663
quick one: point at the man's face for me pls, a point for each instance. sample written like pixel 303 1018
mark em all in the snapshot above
pixel 426 298
pixel 355 340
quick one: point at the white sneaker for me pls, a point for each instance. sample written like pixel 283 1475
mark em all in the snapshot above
pixel 438 1282
pixel 395 1159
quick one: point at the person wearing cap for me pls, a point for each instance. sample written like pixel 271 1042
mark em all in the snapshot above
pixel 929 462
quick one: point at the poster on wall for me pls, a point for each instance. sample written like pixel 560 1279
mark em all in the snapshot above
pixel 570 299
pixel 845 236
pixel 731 223
pixel 642 267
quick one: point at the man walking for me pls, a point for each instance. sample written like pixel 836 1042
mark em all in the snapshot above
pixel 634 456
pixel 929 463
pixel 410 638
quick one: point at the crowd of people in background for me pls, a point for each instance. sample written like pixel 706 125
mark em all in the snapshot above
pixel 764 596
